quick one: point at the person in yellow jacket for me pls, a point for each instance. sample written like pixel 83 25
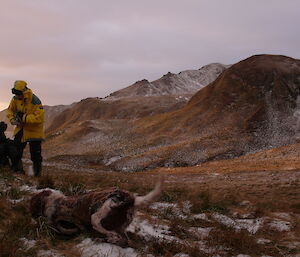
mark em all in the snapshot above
pixel 26 112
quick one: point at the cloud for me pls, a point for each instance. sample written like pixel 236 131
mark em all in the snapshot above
pixel 72 49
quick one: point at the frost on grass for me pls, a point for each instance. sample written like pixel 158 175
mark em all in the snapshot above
pixel 89 248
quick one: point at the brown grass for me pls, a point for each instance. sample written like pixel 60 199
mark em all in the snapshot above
pixel 206 193
pixel 238 242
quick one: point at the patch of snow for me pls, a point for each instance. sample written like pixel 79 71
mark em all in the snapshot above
pixel 13 201
pixel 160 205
pixel 89 248
pixel 148 231
pixel 201 216
pixel 48 253
pixel 112 160
pixel 245 203
pixel 173 209
pixel 50 189
pixel 263 241
pixel 181 255
pixel 27 188
pixel 238 215
pixel 186 207
pixel 251 225
pixel 28 243
pixel 32 189
pixel 224 220
pixel 243 255
pixel 280 225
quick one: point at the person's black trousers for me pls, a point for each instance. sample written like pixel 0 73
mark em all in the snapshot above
pixel 3 155
pixel 35 148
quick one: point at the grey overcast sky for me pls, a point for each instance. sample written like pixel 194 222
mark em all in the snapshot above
pixel 68 50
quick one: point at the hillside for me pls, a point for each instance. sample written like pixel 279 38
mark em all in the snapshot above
pixel 118 109
pixel 251 106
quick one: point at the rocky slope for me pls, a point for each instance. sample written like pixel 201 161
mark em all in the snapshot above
pixel 186 82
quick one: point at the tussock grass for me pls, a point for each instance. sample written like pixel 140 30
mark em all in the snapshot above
pixel 72 187
pixel 44 230
pixel 12 193
pixel 205 201
pixel 45 182
pixel 15 224
pixel 6 174
pixel 238 242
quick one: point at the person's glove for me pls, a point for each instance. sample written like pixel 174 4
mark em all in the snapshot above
pixel 15 122
pixel 19 116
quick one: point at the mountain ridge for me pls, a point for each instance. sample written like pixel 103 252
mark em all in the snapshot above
pixel 185 82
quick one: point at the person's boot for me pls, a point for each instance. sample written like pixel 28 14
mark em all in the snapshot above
pixel 37 169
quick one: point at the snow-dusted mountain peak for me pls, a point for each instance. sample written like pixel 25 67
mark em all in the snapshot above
pixel 185 82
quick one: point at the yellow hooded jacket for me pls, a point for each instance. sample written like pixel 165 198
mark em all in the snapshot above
pixel 33 118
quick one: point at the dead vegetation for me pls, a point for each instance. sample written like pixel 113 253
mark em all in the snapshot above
pixel 199 214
